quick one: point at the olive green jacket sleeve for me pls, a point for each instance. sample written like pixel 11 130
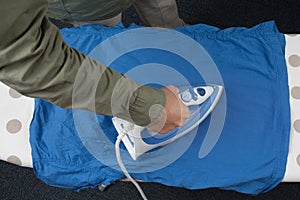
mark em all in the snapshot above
pixel 35 61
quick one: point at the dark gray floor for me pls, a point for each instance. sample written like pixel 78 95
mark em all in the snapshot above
pixel 21 183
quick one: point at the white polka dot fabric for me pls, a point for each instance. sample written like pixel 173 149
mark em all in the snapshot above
pixel 17 111
pixel 16 114
pixel 292 56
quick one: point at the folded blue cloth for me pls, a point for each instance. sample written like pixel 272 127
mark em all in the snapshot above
pixel 248 153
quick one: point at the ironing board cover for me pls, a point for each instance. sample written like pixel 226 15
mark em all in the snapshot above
pixel 70 149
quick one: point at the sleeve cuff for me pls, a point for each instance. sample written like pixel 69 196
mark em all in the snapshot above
pixel 146 105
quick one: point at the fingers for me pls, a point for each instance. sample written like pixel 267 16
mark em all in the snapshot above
pixel 174 89
pixel 184 110
pixel 185 113
pixel 175 112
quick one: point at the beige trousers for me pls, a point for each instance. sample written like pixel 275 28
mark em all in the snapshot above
pixel 155 13
pixel 159 13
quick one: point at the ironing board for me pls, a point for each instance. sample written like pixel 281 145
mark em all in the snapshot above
pixel 292 56
pixel 17 112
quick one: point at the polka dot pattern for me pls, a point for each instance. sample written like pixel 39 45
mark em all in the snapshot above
pixel 297 125
pixel 14 160
pixel 298 160
pixel 14 94
pixel 294 60
pixel 292 35
pixel 17 112
pixel 295 92
pixel 293 67
pixel 13 126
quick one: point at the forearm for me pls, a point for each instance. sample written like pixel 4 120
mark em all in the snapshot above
pixel 35 61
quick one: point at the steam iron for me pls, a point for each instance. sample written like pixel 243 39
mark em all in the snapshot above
pixel 139 140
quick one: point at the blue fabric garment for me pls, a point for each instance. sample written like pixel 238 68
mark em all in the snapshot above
pixel 249 156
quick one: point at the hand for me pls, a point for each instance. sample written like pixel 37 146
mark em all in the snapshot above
pixel 175 112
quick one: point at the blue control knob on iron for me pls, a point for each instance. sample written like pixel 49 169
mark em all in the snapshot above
pixel 186 96
pixel 196 95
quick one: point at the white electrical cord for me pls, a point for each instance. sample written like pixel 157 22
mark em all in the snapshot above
pixel 120 162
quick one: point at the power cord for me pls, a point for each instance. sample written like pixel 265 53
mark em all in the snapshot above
pixel 121 164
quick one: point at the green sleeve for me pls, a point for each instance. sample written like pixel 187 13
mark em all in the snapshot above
pixel 36 61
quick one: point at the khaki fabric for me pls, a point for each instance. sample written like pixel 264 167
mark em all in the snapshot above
pixel 86 10
pixel 107 22
pixel 159 13
pixel 155 13
pixel 35 61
